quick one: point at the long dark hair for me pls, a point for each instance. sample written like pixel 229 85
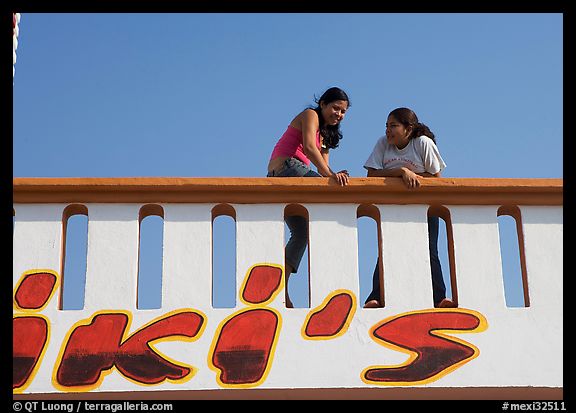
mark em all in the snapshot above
pixel 407 117
pixel 330 133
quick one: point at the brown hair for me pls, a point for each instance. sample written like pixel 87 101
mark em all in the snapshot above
pixel 407 117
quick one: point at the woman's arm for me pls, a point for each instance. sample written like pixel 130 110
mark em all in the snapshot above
pixel 309 126
pixel 429 175
pixel 411 179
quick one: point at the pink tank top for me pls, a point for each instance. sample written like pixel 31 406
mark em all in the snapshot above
pixel 290 144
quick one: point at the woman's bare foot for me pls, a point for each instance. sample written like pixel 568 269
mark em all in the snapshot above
pixel 372 304
pixel 446 303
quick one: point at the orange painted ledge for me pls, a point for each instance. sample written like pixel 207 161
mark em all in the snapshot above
pixel 433 191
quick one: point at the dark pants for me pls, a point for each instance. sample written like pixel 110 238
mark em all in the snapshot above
pixel 297 225
pixel 438 287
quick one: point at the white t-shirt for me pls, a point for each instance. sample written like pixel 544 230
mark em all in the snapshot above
pixel 420 155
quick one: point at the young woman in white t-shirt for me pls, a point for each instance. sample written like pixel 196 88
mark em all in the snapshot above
pixel 408 150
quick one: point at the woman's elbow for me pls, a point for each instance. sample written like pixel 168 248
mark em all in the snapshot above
pixel 309 150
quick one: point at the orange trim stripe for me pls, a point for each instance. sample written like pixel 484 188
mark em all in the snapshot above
pixel 433 191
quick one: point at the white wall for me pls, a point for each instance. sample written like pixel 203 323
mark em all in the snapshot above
pixel 520 346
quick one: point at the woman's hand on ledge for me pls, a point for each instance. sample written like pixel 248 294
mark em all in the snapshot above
pixel 341 177
pixel 410 178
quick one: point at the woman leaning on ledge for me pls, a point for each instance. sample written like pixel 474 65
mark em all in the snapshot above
pixel 408 150
pixel 308 140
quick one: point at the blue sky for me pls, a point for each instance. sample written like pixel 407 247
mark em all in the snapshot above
pixel 208 95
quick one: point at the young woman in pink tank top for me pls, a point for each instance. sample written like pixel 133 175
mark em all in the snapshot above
pixel 307 140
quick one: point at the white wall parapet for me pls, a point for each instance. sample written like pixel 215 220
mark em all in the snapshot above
pixel 407 348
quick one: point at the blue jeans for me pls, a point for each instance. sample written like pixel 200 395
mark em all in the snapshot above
pixel 298 225
pixel 438 286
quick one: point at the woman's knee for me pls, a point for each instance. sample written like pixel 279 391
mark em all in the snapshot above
pixel 298 226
